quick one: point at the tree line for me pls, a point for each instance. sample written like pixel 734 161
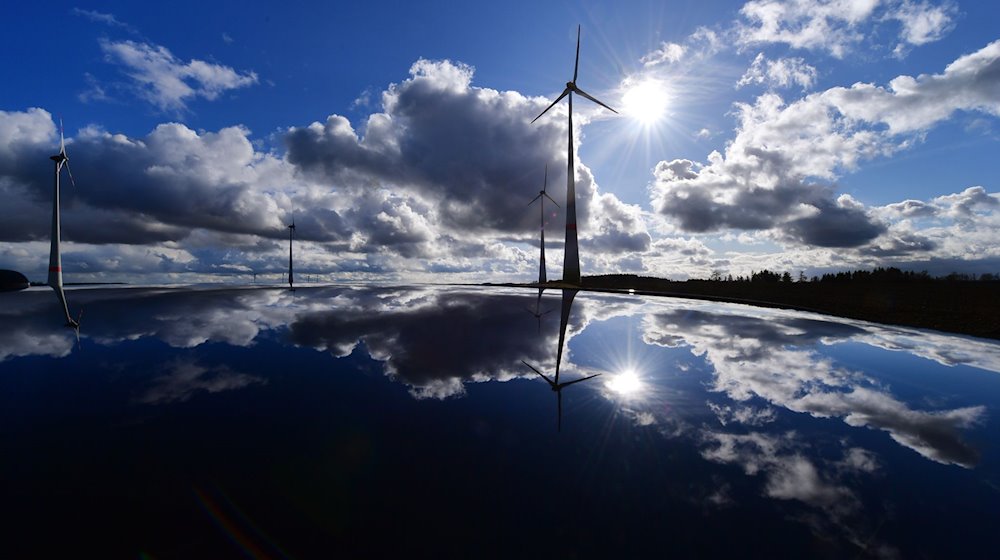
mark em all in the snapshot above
pixel 878 275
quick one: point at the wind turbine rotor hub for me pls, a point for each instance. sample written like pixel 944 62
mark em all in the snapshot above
pixel 571 86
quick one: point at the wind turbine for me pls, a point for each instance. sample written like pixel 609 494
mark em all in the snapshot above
pixel 554 384
pixel 542 195
pixel 55 257
pixel 571 261
pixel 291 229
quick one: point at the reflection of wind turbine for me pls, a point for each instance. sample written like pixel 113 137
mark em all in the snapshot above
pixel 291 229
pixel 554 384
pixel 571 261
pixel 538 313
pixel 55 257
pixel 542 195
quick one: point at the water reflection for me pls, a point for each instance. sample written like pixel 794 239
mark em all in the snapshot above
pixel 554 384
pixel 434 341
pixel 537 313
pixel 774 359
pixel 734 417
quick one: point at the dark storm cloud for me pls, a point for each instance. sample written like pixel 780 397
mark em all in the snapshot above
pixel 834 226
pixel 692 198
pixel 28 218
pixel 471 152
pixel 178 176
pixel 895 245
pixel 137 190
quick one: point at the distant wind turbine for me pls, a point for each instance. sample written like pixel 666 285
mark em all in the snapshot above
pixel 571 261
pixel 542 195
pixel 55 257
pixel 291 229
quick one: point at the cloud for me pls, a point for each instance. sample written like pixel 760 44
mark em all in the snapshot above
pixel 952 227
pixel 837 26
pixel 437 141
pixel 783 72
pixel 666 53
pixel 167 82
pixel 741 197
pixel 829 25
pixel 107 19
pixel 763 181
pixel 923 22
pixel 970 83
pixel 142 190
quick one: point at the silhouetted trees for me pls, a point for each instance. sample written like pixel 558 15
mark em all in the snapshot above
pixel 878 275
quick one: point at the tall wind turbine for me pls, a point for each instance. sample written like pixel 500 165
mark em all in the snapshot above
pixel 571 260
pixel 291 229
pixel 542 195
pixel 55 257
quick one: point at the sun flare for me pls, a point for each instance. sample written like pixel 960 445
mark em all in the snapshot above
pixel 646 101
pixel 625 383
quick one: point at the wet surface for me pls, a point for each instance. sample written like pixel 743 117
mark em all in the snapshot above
pixel 275 424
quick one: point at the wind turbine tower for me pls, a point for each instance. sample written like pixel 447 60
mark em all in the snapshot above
pixel 542 195
pixel 55 257
pixel 571 261
pixel 291 230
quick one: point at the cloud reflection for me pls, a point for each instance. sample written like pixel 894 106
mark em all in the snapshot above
pixel 184 378
pixel 773 358
pixel 436 343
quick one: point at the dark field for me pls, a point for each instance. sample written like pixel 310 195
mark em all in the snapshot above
pixel 965 307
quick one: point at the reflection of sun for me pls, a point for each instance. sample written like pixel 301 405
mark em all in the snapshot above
pixel 625 383
pixel 646 101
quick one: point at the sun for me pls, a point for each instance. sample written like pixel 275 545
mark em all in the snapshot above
pixel 625 383
pixel 646 101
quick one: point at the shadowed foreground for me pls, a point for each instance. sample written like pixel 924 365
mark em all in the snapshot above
pixel 971 308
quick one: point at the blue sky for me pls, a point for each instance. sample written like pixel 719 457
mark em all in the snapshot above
pixel 798 135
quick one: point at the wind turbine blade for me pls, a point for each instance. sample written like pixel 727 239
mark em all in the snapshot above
pixel 549 311
pixel 538 372
pixel 62 138
pixel 576 65
pixel 545 183
pixel 579 380
pixel 534 199
pixel 588 96
pixel 550 198
pixel 558 99
pixel 70 171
